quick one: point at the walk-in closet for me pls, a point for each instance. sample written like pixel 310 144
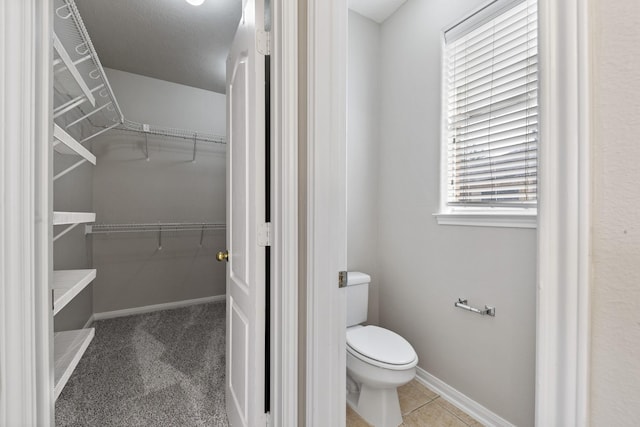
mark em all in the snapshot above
pixel 139 200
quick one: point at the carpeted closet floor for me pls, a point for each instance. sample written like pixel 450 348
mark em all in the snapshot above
pixel 159 369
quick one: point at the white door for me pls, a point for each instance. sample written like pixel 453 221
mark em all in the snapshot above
pixel 245 374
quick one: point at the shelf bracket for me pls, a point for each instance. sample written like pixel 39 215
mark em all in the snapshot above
pixel 65 231
pixel 75 122
pixel 69 169
pixel 70 105
pixel 64 67
pixel 63 109
pixel 195 141
pixel 99 133
pixel 61 136
pixel 146 145
pixel 68 62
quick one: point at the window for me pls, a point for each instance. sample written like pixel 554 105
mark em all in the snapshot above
pixel 491 115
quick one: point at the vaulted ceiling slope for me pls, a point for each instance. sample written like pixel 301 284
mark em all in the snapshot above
pixel 164 39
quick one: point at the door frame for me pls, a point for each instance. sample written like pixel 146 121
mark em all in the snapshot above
pixel 561 394
pixel 284 205
pixel 563 286
pixel 563 329
pixel 26 322
pixel 326 212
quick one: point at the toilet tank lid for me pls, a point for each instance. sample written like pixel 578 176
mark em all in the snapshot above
pixel 357 278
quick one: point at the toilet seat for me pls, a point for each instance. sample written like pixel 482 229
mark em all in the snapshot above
pixel 381 347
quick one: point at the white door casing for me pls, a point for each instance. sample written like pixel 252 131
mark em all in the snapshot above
pixel 326 212
pixel 245 373
pixel 26 127
pixel 284 214
pixel 564 221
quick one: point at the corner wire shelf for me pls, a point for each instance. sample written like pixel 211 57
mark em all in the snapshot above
pixel 81 61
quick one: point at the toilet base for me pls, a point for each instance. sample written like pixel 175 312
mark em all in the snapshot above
pixel 379 407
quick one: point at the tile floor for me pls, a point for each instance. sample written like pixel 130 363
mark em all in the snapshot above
pixel 421 407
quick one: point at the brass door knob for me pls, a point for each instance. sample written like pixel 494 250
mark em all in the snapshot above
pixel 222 256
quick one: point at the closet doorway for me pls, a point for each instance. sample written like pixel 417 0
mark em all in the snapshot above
pixel 144 93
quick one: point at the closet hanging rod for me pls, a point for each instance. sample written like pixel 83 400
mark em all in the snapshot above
pixel 153 227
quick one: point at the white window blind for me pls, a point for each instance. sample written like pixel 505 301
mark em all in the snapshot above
pixel 492 111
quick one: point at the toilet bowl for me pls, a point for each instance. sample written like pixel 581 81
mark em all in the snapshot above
pixel 378 362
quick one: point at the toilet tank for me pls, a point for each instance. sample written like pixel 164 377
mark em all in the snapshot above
pixel 357 297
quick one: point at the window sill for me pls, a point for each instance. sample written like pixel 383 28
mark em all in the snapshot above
pixel 484 218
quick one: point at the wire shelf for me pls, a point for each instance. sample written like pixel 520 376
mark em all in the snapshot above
pixel 74 108
pixel 171 132
pixel 158 228
pixel 153 227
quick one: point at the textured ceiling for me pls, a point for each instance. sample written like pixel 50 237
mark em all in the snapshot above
pixel 164 39
pixel 376 10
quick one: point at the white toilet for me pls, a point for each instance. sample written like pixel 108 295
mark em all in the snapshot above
pixel 378 360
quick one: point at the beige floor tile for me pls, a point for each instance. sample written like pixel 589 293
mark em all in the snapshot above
pixel 413 395
pixel 354 420
pixel 467 419
pixel 432 415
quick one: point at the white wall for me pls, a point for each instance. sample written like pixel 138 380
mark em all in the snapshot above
pixel 363 140
pixel 132 271
pixel 424 267
pixel 615 365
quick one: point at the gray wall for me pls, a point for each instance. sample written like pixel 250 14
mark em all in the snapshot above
pixel 73 192
pixel 132 270
pixel 363 140
pixel 423 267
pixel 615 340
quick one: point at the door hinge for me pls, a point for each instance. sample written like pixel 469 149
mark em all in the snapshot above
pixel 342 279
pixel 263 42
pixel 264 234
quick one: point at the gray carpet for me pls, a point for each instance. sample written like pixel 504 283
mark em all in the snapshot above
pixel 159 369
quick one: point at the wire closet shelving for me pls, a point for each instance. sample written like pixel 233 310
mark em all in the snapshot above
pixel 84 108
pixel 87 106
pixel 153 227
pixel 158 228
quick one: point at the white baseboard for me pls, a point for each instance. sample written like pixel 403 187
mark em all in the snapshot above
pixel 155 307
pixel 468 405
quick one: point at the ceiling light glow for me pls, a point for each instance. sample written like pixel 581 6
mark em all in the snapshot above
pixel 195 2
